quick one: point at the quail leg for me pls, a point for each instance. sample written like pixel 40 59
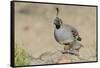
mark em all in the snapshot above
pixel 67 49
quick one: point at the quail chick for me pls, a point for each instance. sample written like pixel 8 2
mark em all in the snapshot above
pixel 73 49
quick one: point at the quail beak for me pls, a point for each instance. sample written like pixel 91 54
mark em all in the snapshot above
pixel 54 23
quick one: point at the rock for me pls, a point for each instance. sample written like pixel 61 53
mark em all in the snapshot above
pixel 64 59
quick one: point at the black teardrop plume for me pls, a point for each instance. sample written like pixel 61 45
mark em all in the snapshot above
pixel 57 11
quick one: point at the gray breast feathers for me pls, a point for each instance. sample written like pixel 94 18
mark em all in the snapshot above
pixel 65 34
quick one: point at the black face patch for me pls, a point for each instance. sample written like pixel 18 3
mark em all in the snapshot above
pixel 58 26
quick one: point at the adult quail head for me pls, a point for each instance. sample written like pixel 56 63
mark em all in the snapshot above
pixel 66 34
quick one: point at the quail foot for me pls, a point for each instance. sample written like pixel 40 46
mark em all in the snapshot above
pixel 67 35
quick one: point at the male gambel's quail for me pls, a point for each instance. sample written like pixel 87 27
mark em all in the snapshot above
pixel 67 35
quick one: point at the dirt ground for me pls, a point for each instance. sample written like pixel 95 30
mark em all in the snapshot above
pixel 34 28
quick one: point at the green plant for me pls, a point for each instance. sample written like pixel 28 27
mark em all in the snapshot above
pixel 21 56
